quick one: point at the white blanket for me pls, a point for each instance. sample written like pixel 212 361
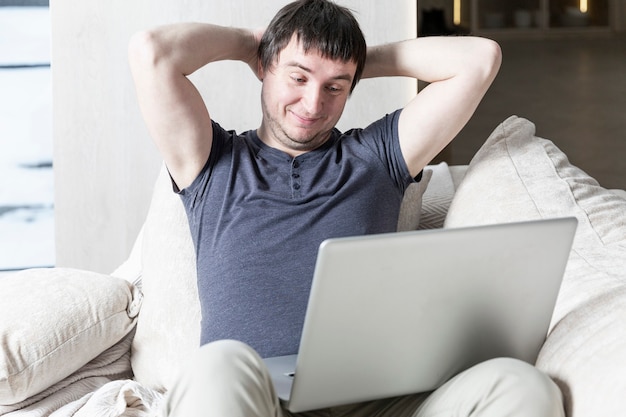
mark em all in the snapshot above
pixel 102 388
pixel 115 399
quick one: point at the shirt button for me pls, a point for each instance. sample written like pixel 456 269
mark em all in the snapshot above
pixel 296 186
pixel 295 175
pixel 296 164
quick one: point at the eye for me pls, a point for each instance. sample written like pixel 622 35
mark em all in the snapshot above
pixel 334 89
pixel 298 78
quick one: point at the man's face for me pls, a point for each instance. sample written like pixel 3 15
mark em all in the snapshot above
pixel 303 97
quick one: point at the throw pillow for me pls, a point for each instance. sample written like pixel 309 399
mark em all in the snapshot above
pixel 54 321
pixel 437 197
pixel 411 208
pixel 517 176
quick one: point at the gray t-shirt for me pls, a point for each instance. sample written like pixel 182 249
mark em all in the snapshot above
pixel 257 217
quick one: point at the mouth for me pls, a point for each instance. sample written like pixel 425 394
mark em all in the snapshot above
pixel 304 121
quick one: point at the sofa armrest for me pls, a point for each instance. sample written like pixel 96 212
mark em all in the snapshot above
pixel 586 355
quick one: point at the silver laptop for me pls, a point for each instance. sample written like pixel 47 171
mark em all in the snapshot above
pixel 401 313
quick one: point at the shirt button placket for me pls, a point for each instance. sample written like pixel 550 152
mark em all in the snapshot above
pixel 295 178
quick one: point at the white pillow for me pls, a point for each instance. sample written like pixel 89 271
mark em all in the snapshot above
pixel 54 321
pixel 518 176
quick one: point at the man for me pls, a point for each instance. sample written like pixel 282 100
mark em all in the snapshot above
pixel 259 203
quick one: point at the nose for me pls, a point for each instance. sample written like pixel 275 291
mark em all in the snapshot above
pixel 312 100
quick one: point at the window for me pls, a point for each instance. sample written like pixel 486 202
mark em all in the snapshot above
pixel 26 178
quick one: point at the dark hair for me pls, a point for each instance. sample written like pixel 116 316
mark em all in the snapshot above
pixel 318 24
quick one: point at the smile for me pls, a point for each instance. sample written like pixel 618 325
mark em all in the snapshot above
pixel 305 121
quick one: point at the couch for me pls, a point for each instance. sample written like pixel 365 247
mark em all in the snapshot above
pixel 79 343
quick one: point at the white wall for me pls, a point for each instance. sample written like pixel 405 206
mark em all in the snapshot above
pixel 104 161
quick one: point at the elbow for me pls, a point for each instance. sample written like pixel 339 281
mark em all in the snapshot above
pixel 490 59
pixel 144 50
pixel 495 54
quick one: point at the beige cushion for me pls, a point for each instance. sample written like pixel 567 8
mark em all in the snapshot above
pixel 54 321
pixel 168 329
pixel 518 176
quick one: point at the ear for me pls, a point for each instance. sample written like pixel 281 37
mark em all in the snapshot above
pixel 260 71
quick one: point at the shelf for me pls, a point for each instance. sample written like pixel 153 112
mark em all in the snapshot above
pixel 539 17
pixel 539 33
pixel 527 18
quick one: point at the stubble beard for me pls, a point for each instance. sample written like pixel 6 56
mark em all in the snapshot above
pixel 279 134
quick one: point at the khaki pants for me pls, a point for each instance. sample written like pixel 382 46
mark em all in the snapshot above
pixel 228 378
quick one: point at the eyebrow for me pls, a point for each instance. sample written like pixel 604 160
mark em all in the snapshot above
pixel 346 77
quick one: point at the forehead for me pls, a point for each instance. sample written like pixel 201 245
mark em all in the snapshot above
pixel 294 55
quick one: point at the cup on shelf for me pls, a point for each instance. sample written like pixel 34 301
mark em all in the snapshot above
pixel 522 18
pixel 493 20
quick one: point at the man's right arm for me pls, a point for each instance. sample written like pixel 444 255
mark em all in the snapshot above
pixel 173 109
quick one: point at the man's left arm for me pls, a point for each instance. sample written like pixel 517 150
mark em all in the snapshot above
pixel 459 71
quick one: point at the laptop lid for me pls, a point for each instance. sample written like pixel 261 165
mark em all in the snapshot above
pixel 400 313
